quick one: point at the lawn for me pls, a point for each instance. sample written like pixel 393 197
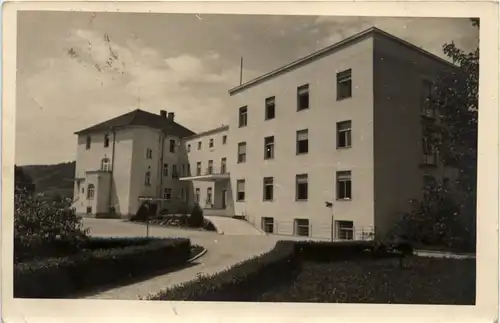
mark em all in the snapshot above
pixel 422 281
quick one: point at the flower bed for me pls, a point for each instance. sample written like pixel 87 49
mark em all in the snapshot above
pixel 101 261
pixel 303 271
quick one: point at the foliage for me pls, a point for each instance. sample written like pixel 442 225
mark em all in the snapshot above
pixel 423 281
pixel 52 179
pixel 246 280
pixel 96 266
pixel 22 180
pixel 435 221
pixel 40 225
pixel 142 213
pixel 455 132
pixel 196 218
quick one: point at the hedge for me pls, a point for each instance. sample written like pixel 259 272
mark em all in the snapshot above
pixel 61 247
pixel 98 266
pixel 246 280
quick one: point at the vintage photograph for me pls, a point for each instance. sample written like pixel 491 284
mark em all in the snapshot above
pixel 246 158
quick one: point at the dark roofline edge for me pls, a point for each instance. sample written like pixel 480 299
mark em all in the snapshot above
pixel 326 50
pixel 86 131
pixel 207 132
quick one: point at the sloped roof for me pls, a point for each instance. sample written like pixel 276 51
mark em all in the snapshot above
pixel 141 118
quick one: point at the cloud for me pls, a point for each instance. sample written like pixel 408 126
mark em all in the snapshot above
pixel 96 79
pixel 460 31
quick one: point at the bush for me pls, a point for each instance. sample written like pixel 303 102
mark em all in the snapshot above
pixel 95 267
pixel 436 221
pixel 196 217
pixel 50 226
pixel 142 213
pixel 246 280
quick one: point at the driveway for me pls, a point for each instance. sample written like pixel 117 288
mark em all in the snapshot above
pixel 230 226
pixel 223 251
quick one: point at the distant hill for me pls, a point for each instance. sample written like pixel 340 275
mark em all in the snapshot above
pixel 52 179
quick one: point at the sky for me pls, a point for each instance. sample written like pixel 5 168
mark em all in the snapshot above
pixel 76 69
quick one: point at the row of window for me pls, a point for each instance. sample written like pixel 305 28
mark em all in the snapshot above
pixel 344 91
pixel 186 169
pixel 302 227
pixel 210 143
pixel 343 181
pixel 167 194
pixel 88 142
pixel 344 140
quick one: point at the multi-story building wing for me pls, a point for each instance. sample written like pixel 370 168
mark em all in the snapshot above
pixel 342 127
pixel 121 161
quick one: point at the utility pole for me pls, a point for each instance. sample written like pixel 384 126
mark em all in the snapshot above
pixel 241 70
pixel 332 228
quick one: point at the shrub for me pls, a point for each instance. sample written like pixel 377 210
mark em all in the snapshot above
pixel 142 213
pixel 240 282
pixel 246 280
pixel 196 217
pixel 435 221
pixel 63 276
pixel 50 226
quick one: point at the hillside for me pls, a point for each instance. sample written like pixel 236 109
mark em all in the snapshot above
pixel 52 179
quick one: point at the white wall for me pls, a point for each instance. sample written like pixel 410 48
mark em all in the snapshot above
pixel 323 160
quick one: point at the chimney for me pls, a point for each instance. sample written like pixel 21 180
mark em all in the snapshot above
pixel 171 116
pixel 163 113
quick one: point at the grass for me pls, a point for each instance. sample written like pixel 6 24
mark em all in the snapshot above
pixel 422 281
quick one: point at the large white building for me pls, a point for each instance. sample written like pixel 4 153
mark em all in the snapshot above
pixel 343 125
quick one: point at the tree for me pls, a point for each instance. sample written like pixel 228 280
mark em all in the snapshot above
pixel 22 180
pixel 455 133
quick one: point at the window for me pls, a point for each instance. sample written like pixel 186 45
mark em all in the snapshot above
pixel 106 140
pixel 147 179
pixel 83 190
pixel 211 143
pixel 165 170
pixel 269 147
pixel 88 142
pixel 189 148
pixel 223 165
pixel 90 192
pixel 268 188
pixel 267 224
pixel 240 190
pixel 301 187
pixel 197 195
pixel 183 170
pixel 210 167
pixel 149 153
pixel 302 227
pixel 344 134
pixel 426 92
pixel 303 97
pixel 175 173
pixel 198 168
pixel 199 145
pixel 270 108
pixel 345 230
pixel 172 146
pixel 242 152
pixel 89 210
pixel 344 85
pixel 184 196
pixel 302 141
pixel 105 165
pixel 344 185
pixel 243 117
pixel 167 194
pixel 224 139
pixel 209 195
pixel 429 151
pixel 188 169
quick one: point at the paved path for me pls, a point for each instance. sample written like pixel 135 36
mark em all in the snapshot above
pixel 223 251
pixel 230 226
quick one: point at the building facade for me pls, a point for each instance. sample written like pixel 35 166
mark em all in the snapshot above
pixel 329 146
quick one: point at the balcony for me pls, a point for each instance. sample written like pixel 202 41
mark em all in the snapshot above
pixel 211 174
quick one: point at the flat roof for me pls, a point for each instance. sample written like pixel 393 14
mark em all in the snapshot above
pixel 207 132
pixel 327 50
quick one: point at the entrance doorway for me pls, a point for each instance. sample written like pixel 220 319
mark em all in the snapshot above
pixel 224 198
